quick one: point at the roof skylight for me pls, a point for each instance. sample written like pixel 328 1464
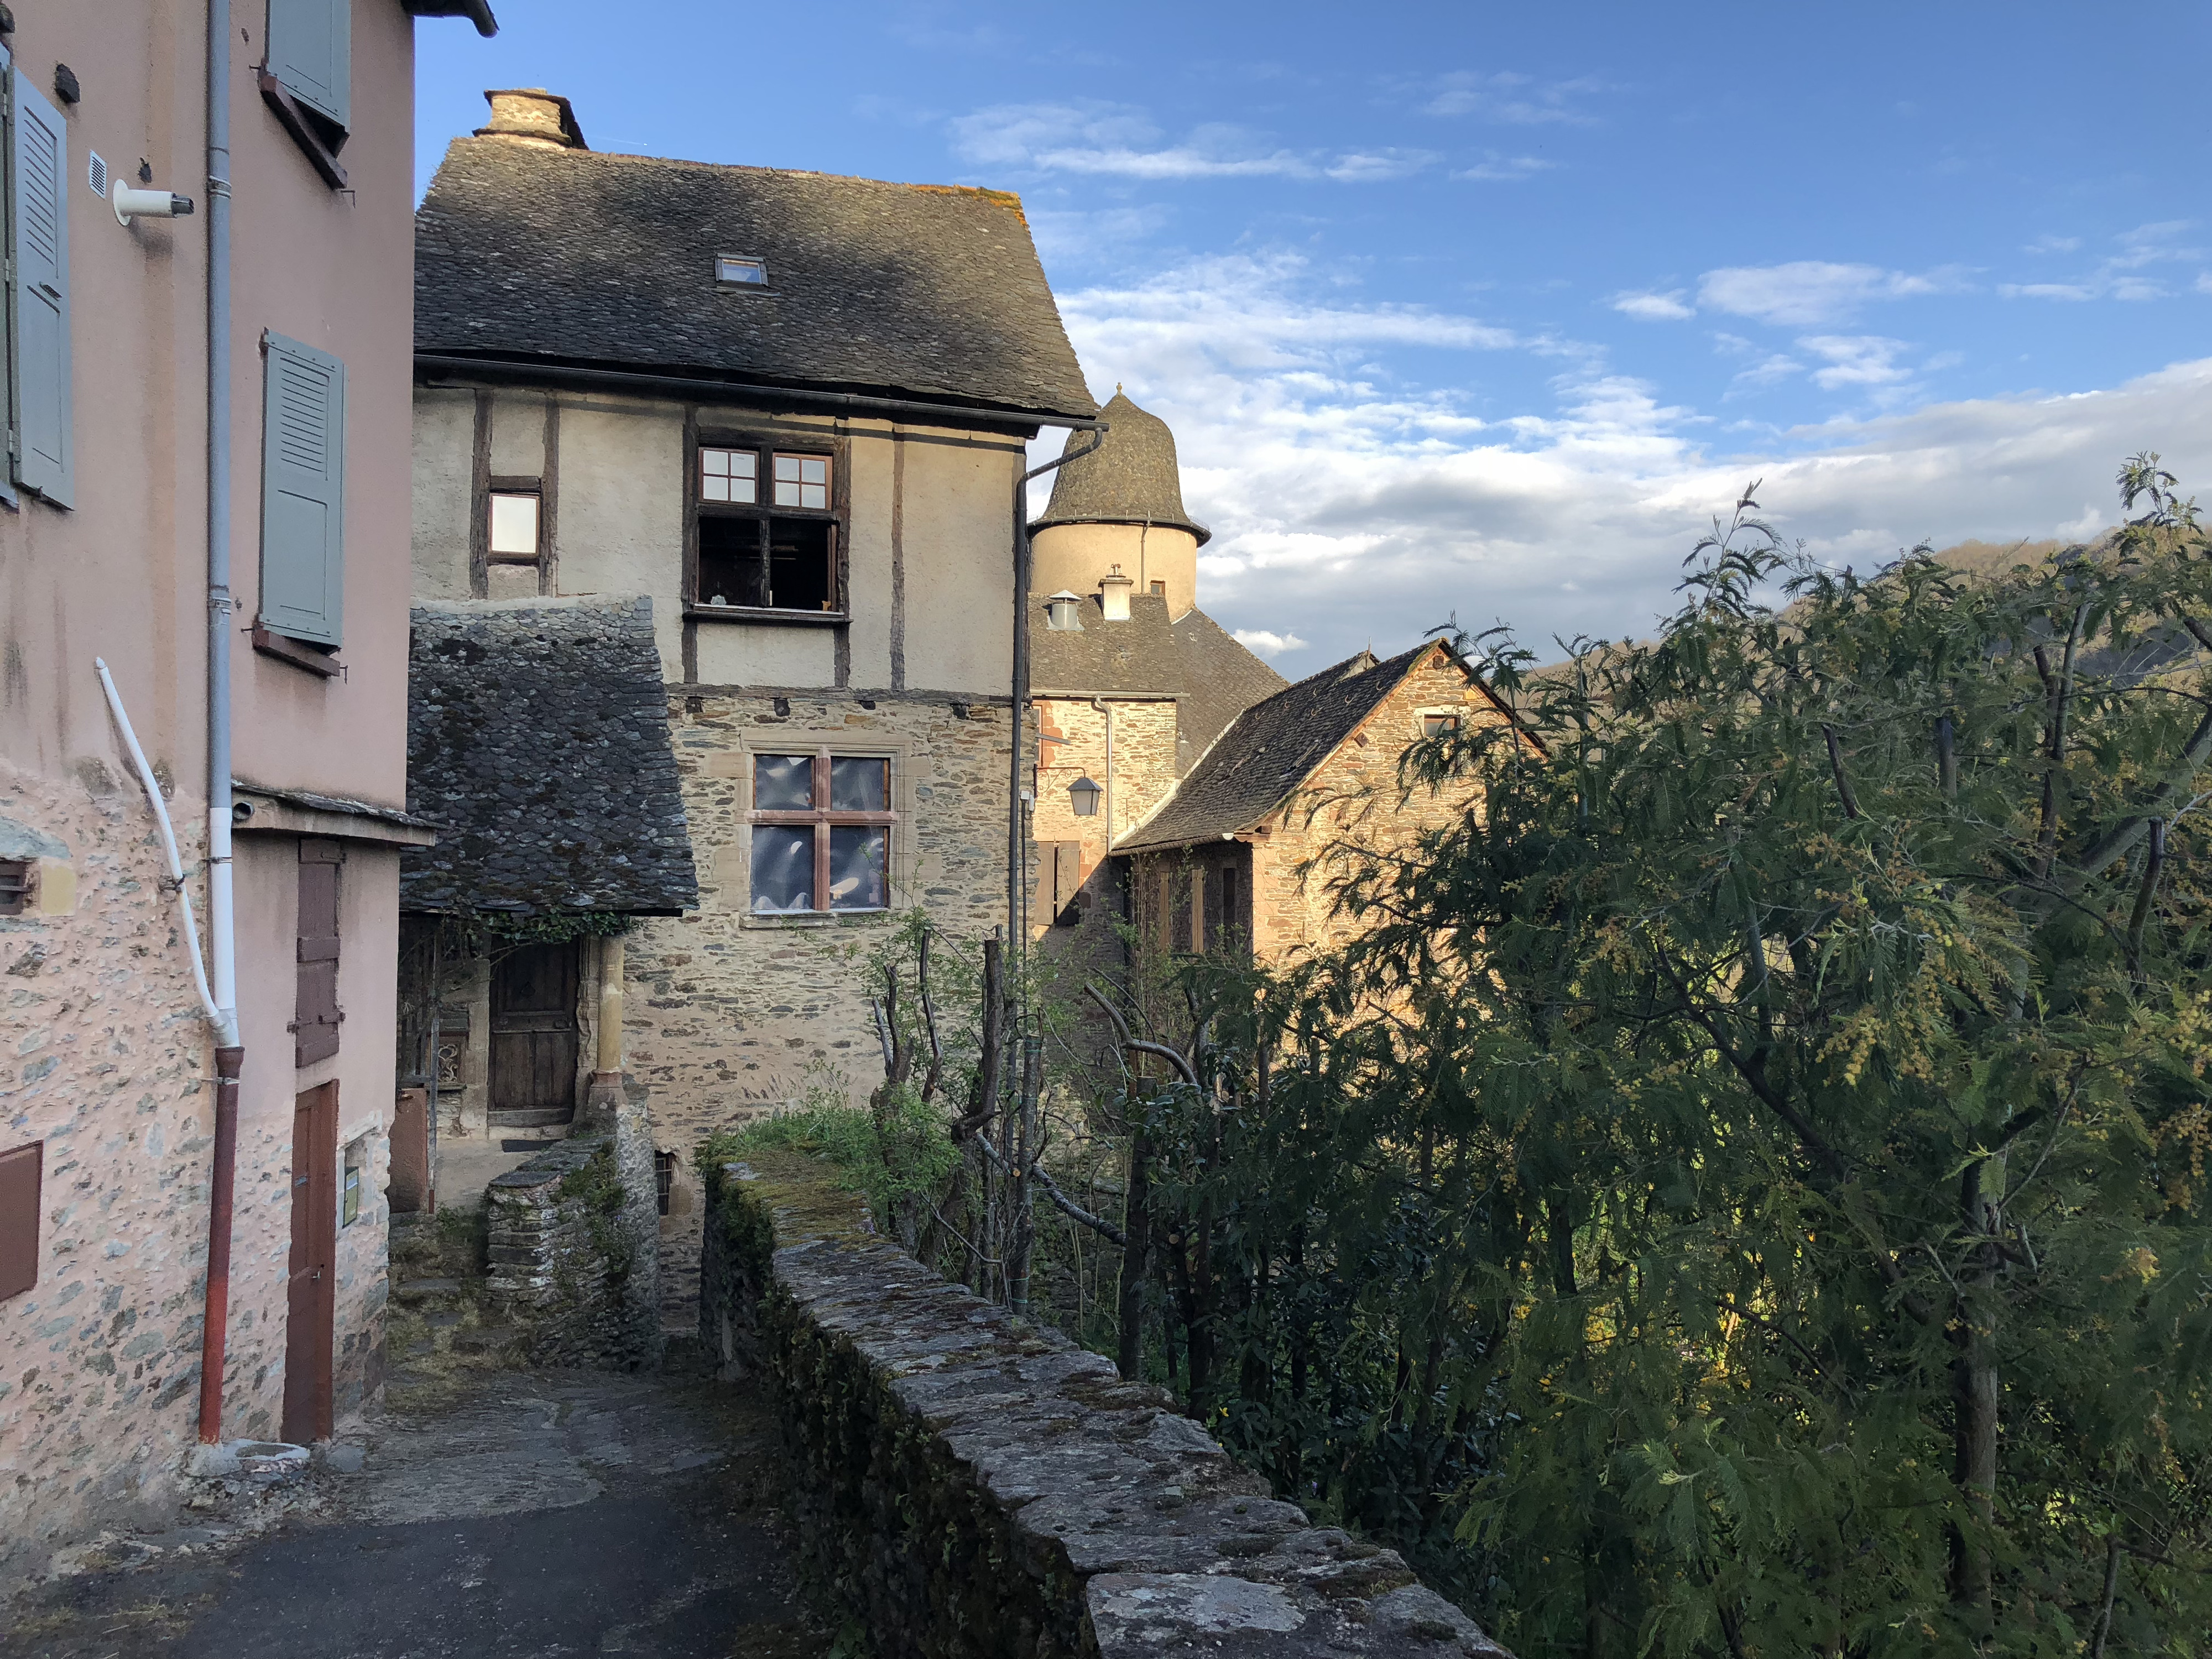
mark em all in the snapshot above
pixel 741 269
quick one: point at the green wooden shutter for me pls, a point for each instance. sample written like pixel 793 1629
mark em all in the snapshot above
pixel 311 52
pixel 44 455
pixel 302 492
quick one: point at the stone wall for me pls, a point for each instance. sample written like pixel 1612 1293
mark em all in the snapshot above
pixel 573 1236
pixel 730 1015
pixel 104 1057
pixel 967 1484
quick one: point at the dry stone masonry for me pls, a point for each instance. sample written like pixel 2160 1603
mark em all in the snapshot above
pixel 572 1240
pixel 968 1484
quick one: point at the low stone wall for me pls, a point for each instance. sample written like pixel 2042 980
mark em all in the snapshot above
pixel 573 1238
pixel 970 1485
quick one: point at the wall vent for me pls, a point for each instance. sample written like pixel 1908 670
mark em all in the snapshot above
pixel 95 174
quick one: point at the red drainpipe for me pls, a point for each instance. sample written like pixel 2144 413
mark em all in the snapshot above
pixel 214 1324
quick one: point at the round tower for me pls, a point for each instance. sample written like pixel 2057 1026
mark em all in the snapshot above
pixel 1119 508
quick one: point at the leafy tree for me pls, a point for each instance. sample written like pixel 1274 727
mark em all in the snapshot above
pixel 1744 1191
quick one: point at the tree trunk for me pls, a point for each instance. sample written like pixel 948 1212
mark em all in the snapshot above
pixel 1975 1402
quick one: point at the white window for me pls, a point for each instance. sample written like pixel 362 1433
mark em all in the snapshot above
pixel 514 526
pixel 741 268
pixel 802 481
pixel 729 475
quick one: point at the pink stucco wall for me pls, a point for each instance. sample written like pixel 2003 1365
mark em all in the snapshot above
pixel 102 1054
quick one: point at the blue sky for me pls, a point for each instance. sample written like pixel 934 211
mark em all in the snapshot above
pixel 1481 310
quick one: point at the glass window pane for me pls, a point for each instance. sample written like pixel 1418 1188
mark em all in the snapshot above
pixel 786 466
pixel 813 495
pixel 783 783
pixel 515 525
pixel 783 867
pixel 858 857
pixel 727 475
pixel 858 784
pixel 814 469
pixel 802 481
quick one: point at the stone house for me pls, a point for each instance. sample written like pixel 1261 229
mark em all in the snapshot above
pixel 1223 862
pixel 1131 683
pixel 790 410
pixel 513 984
pixel 192 1229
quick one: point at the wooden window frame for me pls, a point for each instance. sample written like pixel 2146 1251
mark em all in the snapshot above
pixel 824 819
pixel 766 446
pixel 19 886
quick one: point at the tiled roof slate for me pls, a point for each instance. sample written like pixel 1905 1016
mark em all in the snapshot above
pixel 575 257
pixel 538 733
pixel 1268 751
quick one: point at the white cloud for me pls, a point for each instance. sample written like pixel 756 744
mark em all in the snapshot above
pixel 1666 307
pixel 1505 169
pixel 1121 141
pixel 2053 245
pixel 1349 508
pixel 1516 99
pixel 1263 643
pixel 1810 291
pixel 1370 167
pixel 2119 275
pixel 1856 360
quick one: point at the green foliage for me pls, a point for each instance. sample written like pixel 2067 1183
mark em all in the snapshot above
pixel 900 1151
pixel 1743 1189
pixel 595 1186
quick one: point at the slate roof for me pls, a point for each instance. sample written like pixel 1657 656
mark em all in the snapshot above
pixel 1269 750
pixel 534 251
pixel 537 730
pixel 1211 677
pixel 1131 477
pixel 1220 680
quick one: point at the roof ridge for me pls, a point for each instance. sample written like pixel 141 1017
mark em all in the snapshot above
pixel 1003 198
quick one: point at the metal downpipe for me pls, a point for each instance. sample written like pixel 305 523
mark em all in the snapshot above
pixel 229 1054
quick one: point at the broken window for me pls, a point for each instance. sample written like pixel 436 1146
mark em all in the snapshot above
pixel 821 833
pixel 769 526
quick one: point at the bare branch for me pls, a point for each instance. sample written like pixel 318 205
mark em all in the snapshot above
pixel 1138 1045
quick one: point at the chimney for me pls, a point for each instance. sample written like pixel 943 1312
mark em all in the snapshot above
pixel 531 115
pixel 1113 595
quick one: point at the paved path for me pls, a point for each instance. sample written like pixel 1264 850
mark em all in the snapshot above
pixel 527 1514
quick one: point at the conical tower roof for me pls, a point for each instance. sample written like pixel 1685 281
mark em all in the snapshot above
pixel 1130 479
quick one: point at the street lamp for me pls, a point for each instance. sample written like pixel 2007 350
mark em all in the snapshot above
pixel 1082 795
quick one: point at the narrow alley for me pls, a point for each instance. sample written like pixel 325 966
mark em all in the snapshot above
pixel 483 1511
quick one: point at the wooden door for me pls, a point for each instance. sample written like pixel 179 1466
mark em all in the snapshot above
pixel 311 1302
pixel 533 1029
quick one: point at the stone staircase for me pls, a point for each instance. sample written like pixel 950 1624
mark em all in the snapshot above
pixel 439 1323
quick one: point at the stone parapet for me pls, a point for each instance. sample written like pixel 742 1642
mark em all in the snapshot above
pixel 572 1243
pixel 969 1484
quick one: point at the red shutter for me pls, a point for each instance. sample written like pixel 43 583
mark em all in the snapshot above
pixel 18 1218
pixel 316 1015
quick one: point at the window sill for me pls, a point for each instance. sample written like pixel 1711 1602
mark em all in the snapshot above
pixel 747 613
pixel 788 919
pixel 303 657
pixel 302 129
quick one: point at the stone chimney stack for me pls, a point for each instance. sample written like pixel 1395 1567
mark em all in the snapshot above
pixel 531 115
pixel 1113 594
